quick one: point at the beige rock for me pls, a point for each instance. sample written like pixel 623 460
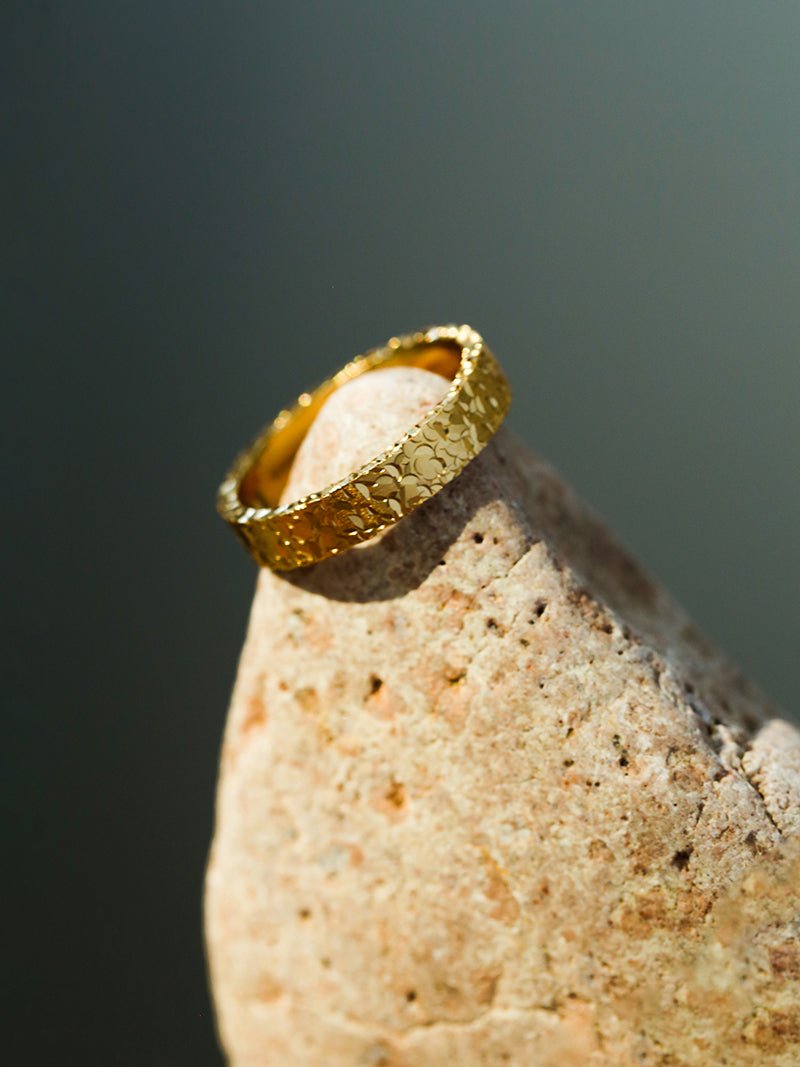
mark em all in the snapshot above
pixel 488 797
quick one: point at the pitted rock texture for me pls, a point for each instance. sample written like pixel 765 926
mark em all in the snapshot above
pixel 488 797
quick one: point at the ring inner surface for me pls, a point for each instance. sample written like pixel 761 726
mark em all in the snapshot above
pixel 263 482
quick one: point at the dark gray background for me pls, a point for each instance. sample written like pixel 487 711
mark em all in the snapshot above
pixel 208 207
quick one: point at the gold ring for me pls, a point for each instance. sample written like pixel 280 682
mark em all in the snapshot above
pixel 428 456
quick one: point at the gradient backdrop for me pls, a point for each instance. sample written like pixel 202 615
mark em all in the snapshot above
pixel 207 207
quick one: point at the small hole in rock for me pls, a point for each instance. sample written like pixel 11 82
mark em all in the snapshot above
pixel 305 913
pixel 375 683
pixel 681 858
pixel 478 538
pixel 411 996
pixel 539 609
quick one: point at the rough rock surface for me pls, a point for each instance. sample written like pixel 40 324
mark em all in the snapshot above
pixel 488 797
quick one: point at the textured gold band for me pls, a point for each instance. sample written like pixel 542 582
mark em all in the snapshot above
pixel 425 459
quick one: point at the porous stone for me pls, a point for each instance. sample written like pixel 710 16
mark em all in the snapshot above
pixel 488 797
